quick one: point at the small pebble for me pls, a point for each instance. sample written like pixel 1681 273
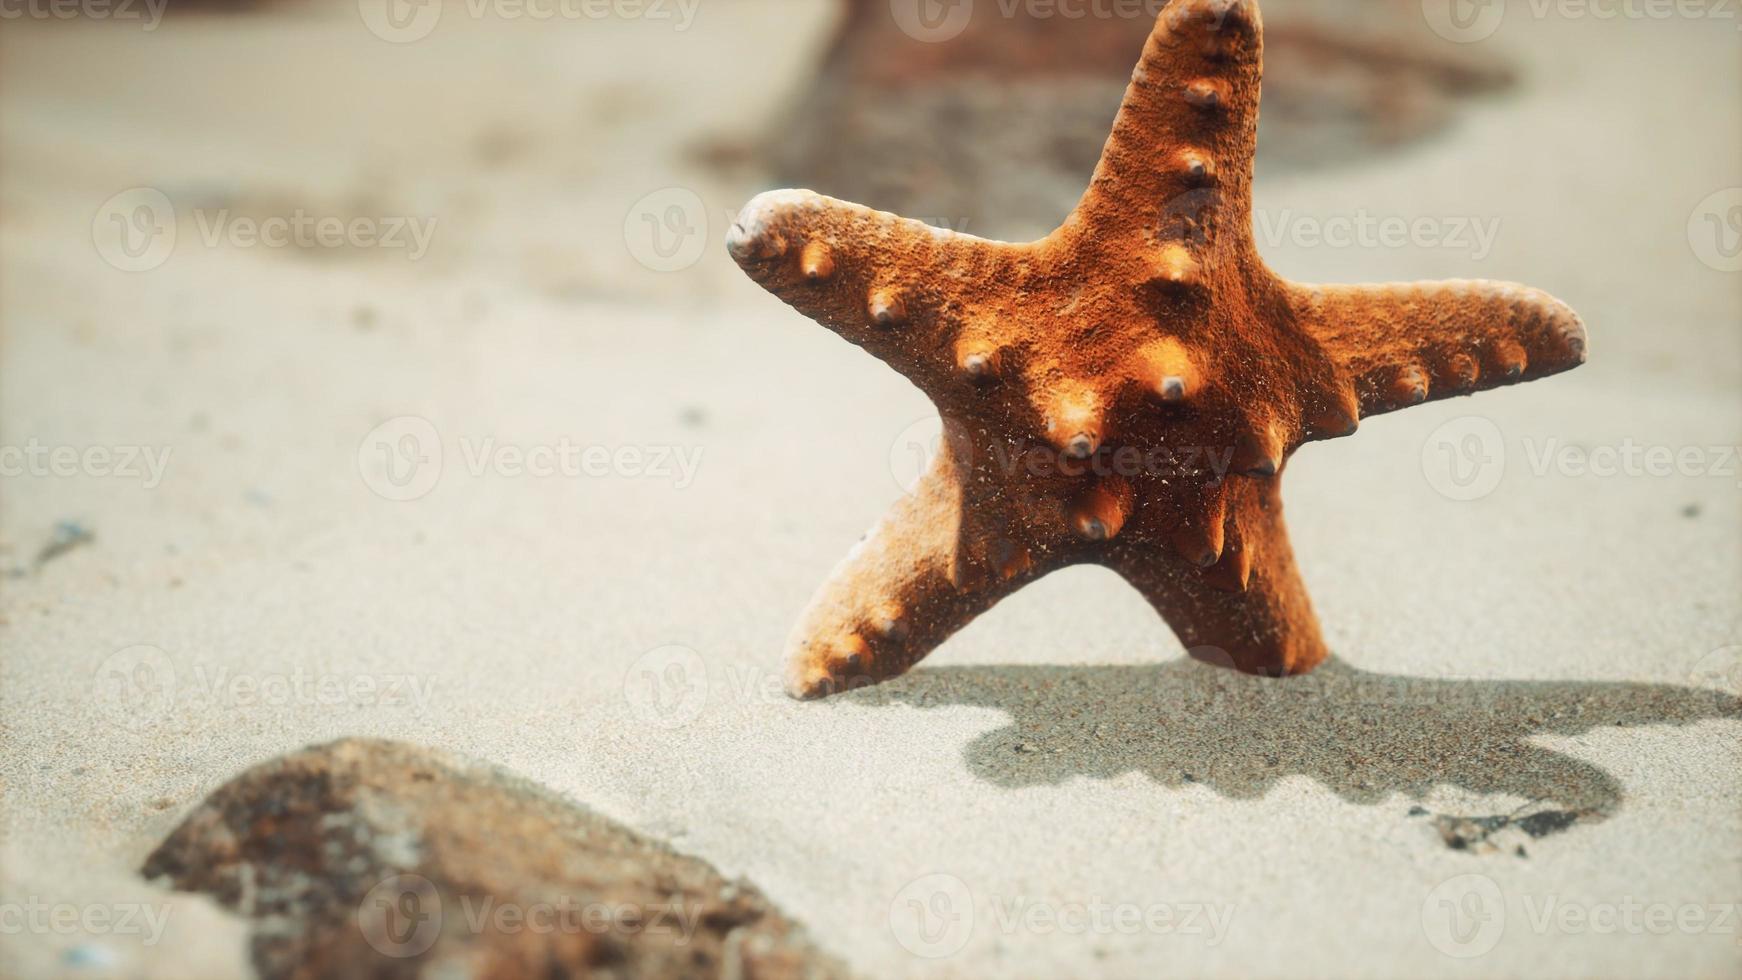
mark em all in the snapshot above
pixel 89 956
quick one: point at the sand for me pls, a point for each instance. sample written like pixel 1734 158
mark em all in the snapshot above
pixel 1055 791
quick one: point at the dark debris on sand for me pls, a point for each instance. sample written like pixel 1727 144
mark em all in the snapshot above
pixel 374 859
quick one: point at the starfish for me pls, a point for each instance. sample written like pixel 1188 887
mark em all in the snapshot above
pixel 1127 390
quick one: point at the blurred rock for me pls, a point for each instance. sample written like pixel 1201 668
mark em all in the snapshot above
pixel 381 860
pixel 996 130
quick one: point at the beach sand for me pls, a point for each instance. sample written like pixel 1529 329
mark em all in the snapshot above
pixel 1083 800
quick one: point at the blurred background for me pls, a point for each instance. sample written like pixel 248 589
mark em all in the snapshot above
pixel 334 277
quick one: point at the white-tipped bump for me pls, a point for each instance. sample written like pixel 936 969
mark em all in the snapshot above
pixel 886 308
pixel 1174 265
pixel 1207 93
pixel 980 364
pixel 889 623
pixel 1511 358
pixel 1074 424
pixel 817 262
pixel 1339 414
pixel 1166 366
pixel 1196 166
pixel 1408 387
pixel 1008 558
pixel 1099 514
pixel 1463 370
pixel 1259 453
pixel 754 235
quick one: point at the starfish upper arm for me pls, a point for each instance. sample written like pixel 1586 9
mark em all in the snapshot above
pixel 1406 343
pixel 881 281
pixel 1186 130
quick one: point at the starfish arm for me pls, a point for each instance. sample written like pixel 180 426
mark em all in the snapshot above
pixel 901 289
pixel 937 560
pixel 1402 344
pixel 1181 148
pixel 1251 612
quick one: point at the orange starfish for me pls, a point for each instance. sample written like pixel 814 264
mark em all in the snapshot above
pixel 1127 390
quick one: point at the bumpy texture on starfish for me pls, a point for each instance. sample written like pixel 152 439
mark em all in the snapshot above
pixel 1127 390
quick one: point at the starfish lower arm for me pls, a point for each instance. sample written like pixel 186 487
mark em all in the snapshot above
pixel 1251 612
pixel 937 560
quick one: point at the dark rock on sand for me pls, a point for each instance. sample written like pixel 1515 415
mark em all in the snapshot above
pixel 376 859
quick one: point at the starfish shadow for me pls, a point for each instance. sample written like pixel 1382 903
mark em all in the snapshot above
pixel 1364 735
